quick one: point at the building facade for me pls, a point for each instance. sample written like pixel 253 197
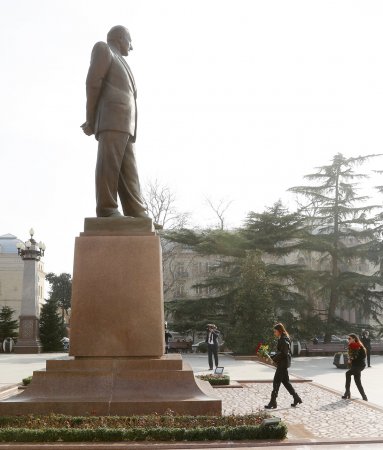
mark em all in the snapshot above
pixel 11 275
pixel 185 269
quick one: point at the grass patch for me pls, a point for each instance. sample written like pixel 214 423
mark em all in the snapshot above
pixel 168 427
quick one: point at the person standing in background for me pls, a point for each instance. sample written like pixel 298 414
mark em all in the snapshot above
pixel 366 341
pixel 168 336
pixel 212 344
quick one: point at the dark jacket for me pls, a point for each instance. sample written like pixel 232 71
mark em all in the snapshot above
pixel 366 341
pixel 111 93
pixel 283 356
pixel 360 360
pixel 167 337
pixel 215 337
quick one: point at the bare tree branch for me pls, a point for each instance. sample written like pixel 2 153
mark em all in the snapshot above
pixel 219 208
pixel 160 202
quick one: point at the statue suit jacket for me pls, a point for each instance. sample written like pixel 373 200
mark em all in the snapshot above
pixel 111 93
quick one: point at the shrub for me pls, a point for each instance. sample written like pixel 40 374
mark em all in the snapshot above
pixel 27 381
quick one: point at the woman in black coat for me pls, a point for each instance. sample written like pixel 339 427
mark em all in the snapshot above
pixel 282 359
pixel 357 360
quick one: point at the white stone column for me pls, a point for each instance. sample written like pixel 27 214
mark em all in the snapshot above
pixel 28 340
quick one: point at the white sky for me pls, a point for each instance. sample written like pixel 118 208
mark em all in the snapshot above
pixel 237 100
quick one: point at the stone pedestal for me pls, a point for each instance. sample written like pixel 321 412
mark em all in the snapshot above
pixel 117 306
pixel 115 386
pixel 28 340
pixel 117 365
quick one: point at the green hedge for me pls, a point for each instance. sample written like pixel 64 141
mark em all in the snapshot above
pixel 169 420
pixel 242 432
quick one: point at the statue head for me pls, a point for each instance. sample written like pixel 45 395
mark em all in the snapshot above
pixel 119 37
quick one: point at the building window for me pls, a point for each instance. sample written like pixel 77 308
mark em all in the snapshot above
pixel 181 272
pixel 180 290
pixel 199 290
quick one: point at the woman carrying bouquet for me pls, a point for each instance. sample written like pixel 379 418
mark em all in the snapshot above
pixel 282 359
pixel 357 360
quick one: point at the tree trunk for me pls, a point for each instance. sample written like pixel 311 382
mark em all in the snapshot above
pixel 334 294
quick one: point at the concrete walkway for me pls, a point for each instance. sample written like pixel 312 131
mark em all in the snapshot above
pixel 322 371
pixel 13 368
pixel 239 370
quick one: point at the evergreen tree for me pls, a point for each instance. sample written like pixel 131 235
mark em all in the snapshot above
pixel 252 307
pixel 61 290
pixel 275 233
pixel 51 327
pixel 8 325
pixel 341 234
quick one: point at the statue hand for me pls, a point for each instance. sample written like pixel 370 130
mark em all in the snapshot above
pixel 87 128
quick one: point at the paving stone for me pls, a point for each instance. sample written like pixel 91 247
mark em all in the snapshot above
pixel 323 413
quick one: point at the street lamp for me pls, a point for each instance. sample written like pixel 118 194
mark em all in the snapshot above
pixel 30 252
pixel 31 249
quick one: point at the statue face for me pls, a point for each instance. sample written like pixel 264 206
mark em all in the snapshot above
pixel 126 43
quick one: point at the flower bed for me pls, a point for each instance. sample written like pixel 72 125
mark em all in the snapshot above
pixel 215 380
pixel 170 427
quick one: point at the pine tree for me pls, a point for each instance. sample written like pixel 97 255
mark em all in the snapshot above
pixel 274 233
pixel 252 308
pixel 8 325
pixel 341 233
pixel 51 327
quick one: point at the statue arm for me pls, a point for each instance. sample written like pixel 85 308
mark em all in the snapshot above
pixel 99 65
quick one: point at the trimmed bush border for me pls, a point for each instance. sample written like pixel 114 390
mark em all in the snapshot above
pixel 170 427
pixel 242 432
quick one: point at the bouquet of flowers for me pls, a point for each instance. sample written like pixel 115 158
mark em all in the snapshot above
pixel 263 351
pixel 353 349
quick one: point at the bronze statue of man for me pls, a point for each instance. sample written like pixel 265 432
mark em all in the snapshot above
pixel 111 115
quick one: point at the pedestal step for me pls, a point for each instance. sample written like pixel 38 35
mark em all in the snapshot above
pixel 115 386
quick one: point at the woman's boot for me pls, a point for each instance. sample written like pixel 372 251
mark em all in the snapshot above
pixel 297 400
pixel 347 394
pixel 273 401
pixel 362 393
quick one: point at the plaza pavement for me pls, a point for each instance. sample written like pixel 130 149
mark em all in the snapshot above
pixel 324 417
pixel 13 368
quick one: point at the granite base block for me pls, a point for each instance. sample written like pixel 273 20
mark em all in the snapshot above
pixel 115 386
